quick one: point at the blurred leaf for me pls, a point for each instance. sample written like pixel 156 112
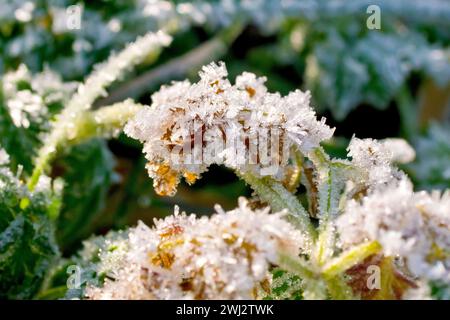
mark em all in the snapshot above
pixel 346 69
pixel 19 142
pixel 431 169
pixel 88 173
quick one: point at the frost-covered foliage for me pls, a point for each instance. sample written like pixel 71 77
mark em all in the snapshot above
pixel 241 126
pixel 314 225
pixel 27 241
pixel 27 102
pixel 370 69
pixel 65 128
pixel 37 32
pixel 226 256
pixel 413 226
pixel 369 215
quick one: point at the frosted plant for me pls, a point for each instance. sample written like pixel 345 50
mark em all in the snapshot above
pixel 368 213
pixel 191 126
pixel 65 129
pixel 410 227
pixel 28 97
pixel 226 256
pixel 361 211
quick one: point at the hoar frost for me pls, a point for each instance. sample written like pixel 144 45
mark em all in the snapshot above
pixel 226 256
pixel 414 226
pixel 242 126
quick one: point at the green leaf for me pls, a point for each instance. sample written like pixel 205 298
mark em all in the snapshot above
pixel 431 169
pixel 20 143
pixel 88 173
pixel 27 243
pixel 285 286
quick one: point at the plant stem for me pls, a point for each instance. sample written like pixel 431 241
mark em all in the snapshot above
pixel 279 199
pixel 296 266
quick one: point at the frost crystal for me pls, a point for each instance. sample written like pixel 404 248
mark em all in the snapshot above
pixel 414 226
pixel 191 126
pixel 226 256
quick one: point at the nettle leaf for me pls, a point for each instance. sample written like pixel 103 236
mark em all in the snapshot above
pixel 285 286
pixel 27 243
pixel 88 173
pixel 20 143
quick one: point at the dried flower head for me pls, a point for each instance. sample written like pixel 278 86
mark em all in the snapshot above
pixel 191 126
pixel 413 226
pixel 226 256
pixel 374 161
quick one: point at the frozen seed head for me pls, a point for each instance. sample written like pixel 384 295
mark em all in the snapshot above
pixel 374 161
pixel 188 127
pixel 226 256
pixel 413 226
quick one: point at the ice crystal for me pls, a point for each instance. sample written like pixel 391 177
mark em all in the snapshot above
pixel 226 256
pixel 191 126
pixel 422 292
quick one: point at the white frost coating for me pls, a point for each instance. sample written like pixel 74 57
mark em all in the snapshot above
pixel 226 256
pixel 95 86
pixel 414 226
pixel 242 126
pixel 374 161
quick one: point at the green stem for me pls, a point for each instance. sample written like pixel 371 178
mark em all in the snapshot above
pixel 297 266
pixel 350 258
pixel 279 199
pixel 104 122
